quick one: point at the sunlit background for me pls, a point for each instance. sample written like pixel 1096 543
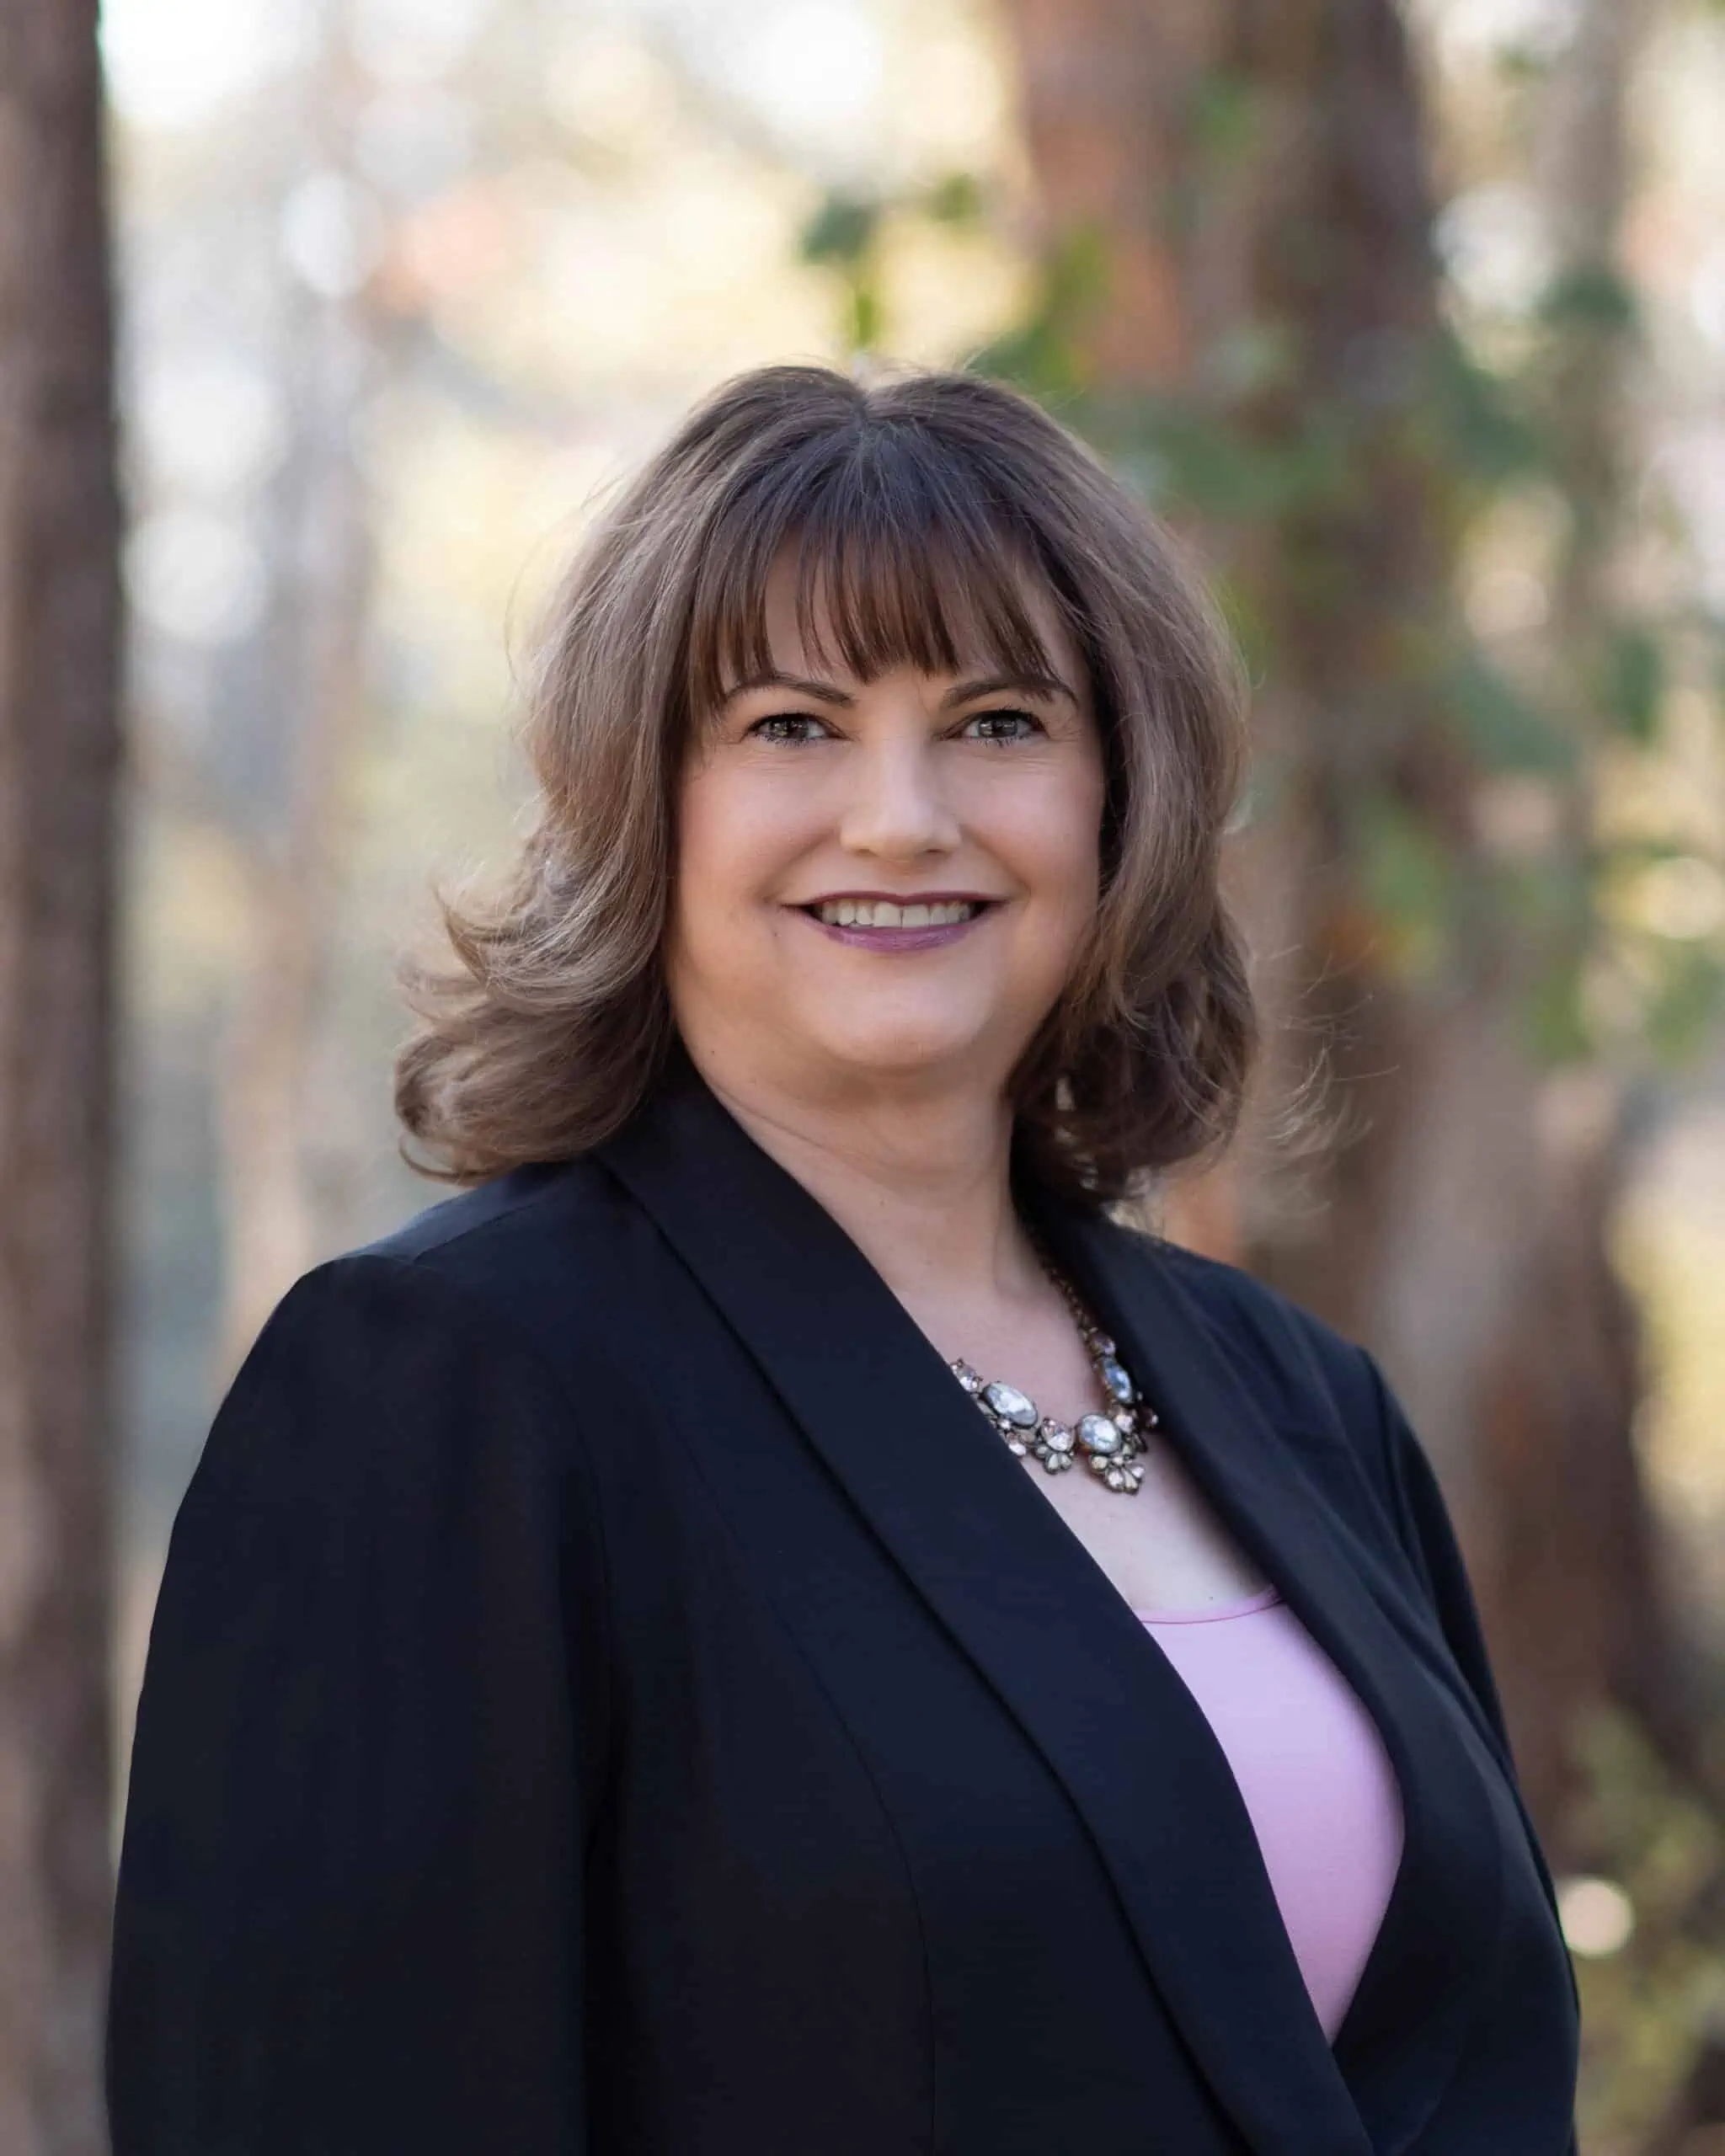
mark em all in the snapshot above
pixel 407 285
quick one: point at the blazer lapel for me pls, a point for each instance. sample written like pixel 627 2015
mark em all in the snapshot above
pixel 1403 2031
pixel 1046 1629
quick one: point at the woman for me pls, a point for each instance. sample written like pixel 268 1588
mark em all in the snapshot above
pixel 770 1622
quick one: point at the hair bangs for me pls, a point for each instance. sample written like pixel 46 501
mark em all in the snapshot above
pixel 901 560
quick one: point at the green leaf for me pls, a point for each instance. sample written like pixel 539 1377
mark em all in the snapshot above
pixel 1633 688
pixel 955 199
pixel 1642 850
pixel 1689 1001
pixel 1472 419
pixel 842 230
pixel 1590 297
pixel 1505 729
pixel 1036 357
pixel 868 317
pixel 1407 875
pixel 1535 897
pixel 1041 354
pixel 1554 1015
pixel 1075 277
pixel 1518 63
pixel 1225 111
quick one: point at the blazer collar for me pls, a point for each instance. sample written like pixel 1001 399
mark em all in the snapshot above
pixel 1024 1599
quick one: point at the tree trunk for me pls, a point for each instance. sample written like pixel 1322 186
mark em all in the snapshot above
pixel 1255 171
pixel 59 753
pixel 1578 1584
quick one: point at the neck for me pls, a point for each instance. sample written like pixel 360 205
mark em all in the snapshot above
pixel 921 1185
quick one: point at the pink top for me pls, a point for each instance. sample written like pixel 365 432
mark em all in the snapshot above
pixel 1313 1770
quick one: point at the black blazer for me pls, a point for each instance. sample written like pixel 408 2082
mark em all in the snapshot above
pixel 611 1695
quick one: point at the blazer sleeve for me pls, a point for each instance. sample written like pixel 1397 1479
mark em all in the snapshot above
pixel 349 1907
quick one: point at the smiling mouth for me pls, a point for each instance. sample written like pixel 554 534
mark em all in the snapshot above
pixel 888 913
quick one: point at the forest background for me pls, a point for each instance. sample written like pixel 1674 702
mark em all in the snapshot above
pixel 1414 320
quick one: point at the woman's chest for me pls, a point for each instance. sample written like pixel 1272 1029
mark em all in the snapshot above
pixel 1164 1547
pixel 897 1763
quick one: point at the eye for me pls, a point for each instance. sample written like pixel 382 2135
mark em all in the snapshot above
pixel 1004 727
pixel 791 726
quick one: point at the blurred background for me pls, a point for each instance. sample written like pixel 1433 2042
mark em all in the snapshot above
pixel 1411 317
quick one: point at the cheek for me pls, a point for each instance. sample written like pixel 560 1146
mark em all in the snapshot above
pixel 737 843
pixel 725 844
pixel 1053 837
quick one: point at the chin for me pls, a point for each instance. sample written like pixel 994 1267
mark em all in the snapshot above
pixel 901 1051
pixel 901 1036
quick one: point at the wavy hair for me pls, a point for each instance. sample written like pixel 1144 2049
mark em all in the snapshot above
pixel 918 505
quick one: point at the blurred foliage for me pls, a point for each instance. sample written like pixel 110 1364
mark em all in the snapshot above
pixel 847 232
pixel 1654 2010
pixel 1486 423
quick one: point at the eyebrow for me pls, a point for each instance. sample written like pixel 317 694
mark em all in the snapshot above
pixel 961 692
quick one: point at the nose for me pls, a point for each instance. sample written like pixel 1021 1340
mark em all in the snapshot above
pixel 896 807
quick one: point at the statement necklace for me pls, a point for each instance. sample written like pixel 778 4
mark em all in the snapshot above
pixel 1110 1442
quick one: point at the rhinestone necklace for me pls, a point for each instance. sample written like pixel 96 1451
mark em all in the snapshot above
pixel 1109 1442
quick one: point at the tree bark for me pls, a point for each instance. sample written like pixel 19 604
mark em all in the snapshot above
pixel 59 762
pixel 1589 1601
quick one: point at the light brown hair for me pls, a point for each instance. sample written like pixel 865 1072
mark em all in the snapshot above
pixel 918 505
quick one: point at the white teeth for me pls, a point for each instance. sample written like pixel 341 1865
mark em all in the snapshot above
pixel 884 913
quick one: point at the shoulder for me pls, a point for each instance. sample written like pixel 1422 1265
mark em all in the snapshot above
pixel 1288 1349
pixel 525 1257
pixel 441 1314
pixel 497 1324
pixel 399 1394
pixel 509 1224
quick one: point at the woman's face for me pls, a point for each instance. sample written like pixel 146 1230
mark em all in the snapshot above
pixel 885 880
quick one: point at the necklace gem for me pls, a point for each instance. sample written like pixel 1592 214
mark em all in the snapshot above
pixel 1010 1405
pixel 1055 1445
pixel 1101 1433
